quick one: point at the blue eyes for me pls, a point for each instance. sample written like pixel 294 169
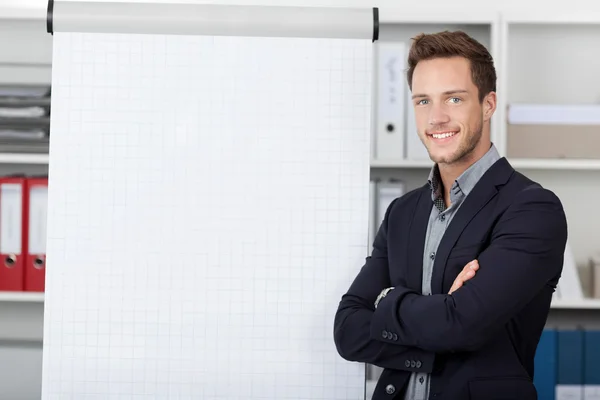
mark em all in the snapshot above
pixel 454 100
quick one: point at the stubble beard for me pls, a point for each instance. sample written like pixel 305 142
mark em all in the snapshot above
pixel 469 142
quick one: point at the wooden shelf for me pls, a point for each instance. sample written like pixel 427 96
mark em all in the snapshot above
pixel 22 297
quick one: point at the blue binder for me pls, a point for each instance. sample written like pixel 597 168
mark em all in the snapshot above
pixel 545 365
pixel 569 382
pixel 591 369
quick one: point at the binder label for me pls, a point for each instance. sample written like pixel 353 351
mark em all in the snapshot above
pixel 11 211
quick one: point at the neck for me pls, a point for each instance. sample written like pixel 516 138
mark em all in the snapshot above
pixel 450 172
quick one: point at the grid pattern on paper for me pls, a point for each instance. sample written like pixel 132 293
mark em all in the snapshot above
pixel 208 205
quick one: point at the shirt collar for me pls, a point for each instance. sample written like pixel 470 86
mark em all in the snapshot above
pixel 467 180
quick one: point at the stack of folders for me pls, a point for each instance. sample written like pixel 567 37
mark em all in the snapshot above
pixel 567 364
pixel 553 131
pixel 396 135
pixel 24 118
pixel 23 214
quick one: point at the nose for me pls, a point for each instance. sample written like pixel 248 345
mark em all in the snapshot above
pixel 438 115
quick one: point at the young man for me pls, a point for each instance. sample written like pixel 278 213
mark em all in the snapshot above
pixel 453 299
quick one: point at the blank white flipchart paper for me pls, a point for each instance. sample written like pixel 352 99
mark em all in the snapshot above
pixel 208 206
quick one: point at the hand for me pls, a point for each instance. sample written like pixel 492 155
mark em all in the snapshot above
pixel 467 273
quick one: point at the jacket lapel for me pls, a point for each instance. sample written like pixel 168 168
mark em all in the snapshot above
pixel 481 194
pixel 416 239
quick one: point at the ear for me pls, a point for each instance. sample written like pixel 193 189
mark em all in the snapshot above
pixel 489 105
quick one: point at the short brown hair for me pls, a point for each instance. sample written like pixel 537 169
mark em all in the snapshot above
pixel 455 44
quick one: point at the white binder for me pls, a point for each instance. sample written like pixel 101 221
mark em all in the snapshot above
pixel 415 149
pixel 387 191
pixel 391 104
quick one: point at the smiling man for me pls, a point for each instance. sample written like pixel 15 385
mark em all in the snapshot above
pixel 455 294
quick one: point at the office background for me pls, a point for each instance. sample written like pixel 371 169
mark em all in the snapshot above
pixel 547 62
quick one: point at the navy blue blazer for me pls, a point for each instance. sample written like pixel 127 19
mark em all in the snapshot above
pixel 478 343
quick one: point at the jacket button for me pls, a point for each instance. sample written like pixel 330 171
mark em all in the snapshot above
pixel 384 334
pixel 390 389
pixel 407 364
pixel 413 364
pixel 418 364
pixel 395 337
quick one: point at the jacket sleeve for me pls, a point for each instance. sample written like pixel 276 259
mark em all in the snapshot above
pixel 525 253
pixel 353 318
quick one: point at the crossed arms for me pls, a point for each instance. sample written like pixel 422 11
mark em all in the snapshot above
pixel 526 251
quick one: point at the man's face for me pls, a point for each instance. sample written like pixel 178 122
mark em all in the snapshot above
pixel 448 113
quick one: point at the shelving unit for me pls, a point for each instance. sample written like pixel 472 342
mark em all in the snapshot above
pixel 25 59
pixel 541 57
pixel 545 59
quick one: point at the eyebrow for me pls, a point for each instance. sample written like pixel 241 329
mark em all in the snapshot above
pixel 447 92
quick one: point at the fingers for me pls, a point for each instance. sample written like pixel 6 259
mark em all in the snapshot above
pixel 469 269
pixel 467 273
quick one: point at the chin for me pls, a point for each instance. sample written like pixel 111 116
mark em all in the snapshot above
pixel 444 154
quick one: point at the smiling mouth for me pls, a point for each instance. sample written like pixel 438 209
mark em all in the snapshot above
pixel 443 135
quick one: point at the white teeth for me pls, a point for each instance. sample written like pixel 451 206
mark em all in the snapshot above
pixel 443 135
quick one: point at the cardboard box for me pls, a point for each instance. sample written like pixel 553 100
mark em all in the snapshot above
pixel 553 141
